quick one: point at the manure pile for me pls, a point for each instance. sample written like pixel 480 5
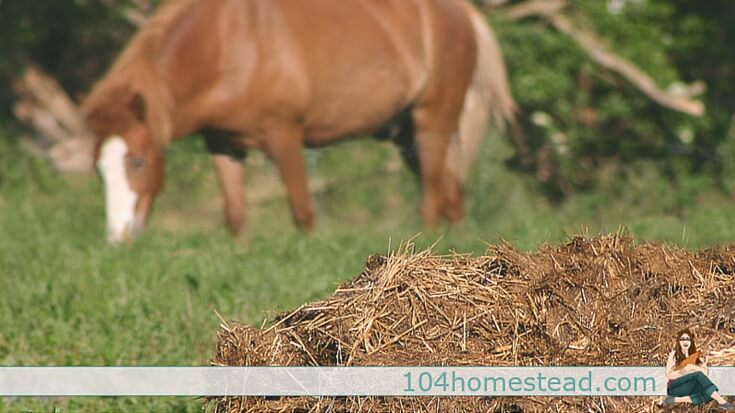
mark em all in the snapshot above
pixel 592 301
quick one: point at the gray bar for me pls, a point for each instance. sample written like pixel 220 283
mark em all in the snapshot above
pixel 344 381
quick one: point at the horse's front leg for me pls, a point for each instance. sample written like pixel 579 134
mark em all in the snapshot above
pixel 228 162
pixel 285 147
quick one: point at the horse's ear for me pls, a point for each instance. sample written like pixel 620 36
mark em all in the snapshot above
pixel 137 106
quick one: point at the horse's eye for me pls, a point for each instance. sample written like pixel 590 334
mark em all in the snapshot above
pixel 137 162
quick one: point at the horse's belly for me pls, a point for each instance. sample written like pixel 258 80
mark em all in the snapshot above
pixel 347 115
pixel 316 137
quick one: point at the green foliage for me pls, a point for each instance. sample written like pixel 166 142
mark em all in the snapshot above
pixel 586 121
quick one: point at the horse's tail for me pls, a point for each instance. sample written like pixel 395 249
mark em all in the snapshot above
pixel 487 99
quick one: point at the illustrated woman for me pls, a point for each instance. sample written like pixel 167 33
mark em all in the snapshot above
pixel 687 374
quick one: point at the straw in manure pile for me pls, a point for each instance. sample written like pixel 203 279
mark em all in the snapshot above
pixel 593 301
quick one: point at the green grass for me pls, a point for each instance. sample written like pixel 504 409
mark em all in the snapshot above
pixel 67 298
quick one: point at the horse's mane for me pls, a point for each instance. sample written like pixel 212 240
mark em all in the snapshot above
pixel 135 69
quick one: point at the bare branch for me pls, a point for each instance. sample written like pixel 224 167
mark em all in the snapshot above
pixel 489 4
pixel 40 96
pixel 135 17
pixel 59 129
pixel 534 8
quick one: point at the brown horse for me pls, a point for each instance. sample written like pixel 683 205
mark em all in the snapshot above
pixel 278 75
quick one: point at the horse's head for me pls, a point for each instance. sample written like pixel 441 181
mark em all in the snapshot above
pixel 129 160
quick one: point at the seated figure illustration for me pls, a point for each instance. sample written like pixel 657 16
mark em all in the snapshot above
pixel 687 371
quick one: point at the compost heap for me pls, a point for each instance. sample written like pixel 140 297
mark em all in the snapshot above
pixel 593 301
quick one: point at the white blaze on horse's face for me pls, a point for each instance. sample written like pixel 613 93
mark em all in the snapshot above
pixel 120 199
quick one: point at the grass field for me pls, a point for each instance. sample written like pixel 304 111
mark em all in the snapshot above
pixel 67 298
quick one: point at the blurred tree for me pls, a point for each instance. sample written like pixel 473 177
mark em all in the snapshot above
pixel 586 123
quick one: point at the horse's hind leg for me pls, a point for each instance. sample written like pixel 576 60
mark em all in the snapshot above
pixel 453 208
pixel 285 149
pixel 434 125
pixel 228 162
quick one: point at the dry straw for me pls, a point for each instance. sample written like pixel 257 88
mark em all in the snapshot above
pixel 593 301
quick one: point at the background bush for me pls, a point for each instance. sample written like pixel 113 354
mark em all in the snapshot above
pixel 595 126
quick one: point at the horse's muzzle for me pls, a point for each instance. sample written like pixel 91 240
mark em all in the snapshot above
pixel 127 234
